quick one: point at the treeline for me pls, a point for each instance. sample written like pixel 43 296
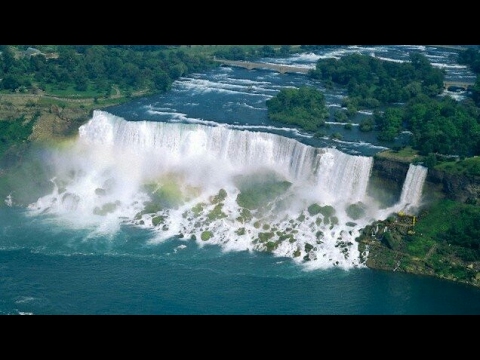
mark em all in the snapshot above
pixel 14 140
pixel 471 58
pixel 241 53
pixel 464 234
pixel 372 82
pixel 95 68
pixel 403 96
pixel 438 126
pixel 304 107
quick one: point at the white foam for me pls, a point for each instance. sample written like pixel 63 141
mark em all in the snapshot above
pixel 100 183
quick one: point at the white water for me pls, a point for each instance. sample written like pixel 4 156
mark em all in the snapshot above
pixel 100 183
pixel 411 196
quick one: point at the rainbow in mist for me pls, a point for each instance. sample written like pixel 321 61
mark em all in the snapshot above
pixel 240 190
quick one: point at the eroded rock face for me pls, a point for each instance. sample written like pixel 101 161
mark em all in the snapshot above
pixel 57 125
pixel 464 188
pixel 390 169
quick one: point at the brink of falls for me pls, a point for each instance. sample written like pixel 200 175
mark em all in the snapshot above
pixel 240 190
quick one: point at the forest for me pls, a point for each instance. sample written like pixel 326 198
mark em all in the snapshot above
pixel 93 69
pixel 403 96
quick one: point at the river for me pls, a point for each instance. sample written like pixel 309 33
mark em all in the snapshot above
pixel 86 245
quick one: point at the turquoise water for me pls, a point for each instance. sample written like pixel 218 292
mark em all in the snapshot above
pixel 45 269
pixel 51 266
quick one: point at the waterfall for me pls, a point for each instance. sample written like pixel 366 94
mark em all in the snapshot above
pixel 411 195
pixel 168 176
pixel 166 146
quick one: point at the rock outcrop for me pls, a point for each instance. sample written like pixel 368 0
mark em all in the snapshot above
pixel 389 169
pixel 463 188
pixel 458 187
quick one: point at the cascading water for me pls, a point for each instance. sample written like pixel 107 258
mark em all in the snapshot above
pixel 410 198
pixel 240 190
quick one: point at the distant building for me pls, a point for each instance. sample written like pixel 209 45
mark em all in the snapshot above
pixel 32 52
pixel 51 55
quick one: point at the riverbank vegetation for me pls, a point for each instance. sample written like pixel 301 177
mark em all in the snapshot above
pixel 48 91
pixel 304 107
pixel 44 87
pixel 403 97
pixel 444 135
pixel 442 241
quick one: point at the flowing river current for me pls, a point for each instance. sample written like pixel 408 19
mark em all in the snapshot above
pixel 193 202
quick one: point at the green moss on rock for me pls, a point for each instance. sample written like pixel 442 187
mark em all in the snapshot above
pixel 106 208
pixel 222 195
pixel 216 213
pixel 158 220
pixel 240 231
pixel 206 235
pixel 356 211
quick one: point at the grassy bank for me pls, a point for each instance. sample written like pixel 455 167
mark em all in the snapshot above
pixel 428 244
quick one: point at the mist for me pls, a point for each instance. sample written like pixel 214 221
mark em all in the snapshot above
pixel 237 189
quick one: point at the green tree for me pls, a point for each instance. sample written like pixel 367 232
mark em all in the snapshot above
pixel 389 124
pixel 10 82
pixel 304 107
pixel 161 81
